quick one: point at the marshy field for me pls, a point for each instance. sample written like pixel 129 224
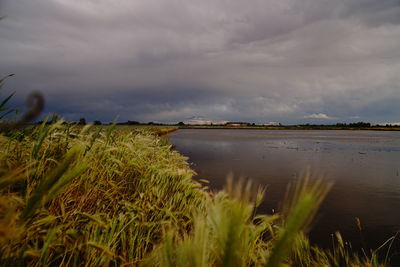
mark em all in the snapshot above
pixel 121 196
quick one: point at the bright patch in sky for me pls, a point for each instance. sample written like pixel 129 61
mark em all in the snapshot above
pixel 321 116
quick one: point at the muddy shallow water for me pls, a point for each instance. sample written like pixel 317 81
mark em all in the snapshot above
pixel 364 166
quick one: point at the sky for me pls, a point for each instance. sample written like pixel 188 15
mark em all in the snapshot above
pixel 287 61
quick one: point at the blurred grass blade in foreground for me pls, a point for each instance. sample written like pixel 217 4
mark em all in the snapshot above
pixel 299 208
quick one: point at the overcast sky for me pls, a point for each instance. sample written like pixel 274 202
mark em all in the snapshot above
pixel 290 61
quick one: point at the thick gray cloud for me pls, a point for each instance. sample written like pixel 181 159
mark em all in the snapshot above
pixel 292 61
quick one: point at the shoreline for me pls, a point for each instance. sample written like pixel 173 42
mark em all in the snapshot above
pixel 294 128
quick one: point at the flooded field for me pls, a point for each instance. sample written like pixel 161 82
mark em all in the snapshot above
pixel 364 166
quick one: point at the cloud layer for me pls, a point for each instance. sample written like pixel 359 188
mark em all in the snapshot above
pixel 289 61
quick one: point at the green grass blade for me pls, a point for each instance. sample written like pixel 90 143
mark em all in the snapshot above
pixel 303 205
pixel 4 102
pixel 48 181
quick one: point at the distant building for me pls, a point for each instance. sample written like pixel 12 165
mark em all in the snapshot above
pixel 237 123
pixel 201 121
pixel 272 123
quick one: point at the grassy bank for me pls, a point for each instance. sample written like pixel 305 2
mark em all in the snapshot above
pixel 107 196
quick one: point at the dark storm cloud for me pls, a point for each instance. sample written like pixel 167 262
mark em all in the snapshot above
pixel 289 61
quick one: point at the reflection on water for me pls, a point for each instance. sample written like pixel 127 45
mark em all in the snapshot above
pixel 364 166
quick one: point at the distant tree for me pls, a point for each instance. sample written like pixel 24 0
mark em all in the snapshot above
pixel 360 124
pixel 97 123
pixel 82 121
pixel 133 122
pixel 150 123
pixel 180 123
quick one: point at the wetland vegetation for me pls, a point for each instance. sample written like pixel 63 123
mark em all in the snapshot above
pixel 120 196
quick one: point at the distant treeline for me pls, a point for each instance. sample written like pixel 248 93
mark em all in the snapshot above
pixel 341 125
pixel 360 124
pixel 82 121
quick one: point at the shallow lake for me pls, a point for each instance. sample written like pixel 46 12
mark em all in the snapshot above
pixel 363 165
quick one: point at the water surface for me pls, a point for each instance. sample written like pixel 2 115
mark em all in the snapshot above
pixel 364 166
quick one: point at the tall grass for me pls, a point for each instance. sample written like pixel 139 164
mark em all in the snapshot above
pixel 4 110
pixel 108 196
